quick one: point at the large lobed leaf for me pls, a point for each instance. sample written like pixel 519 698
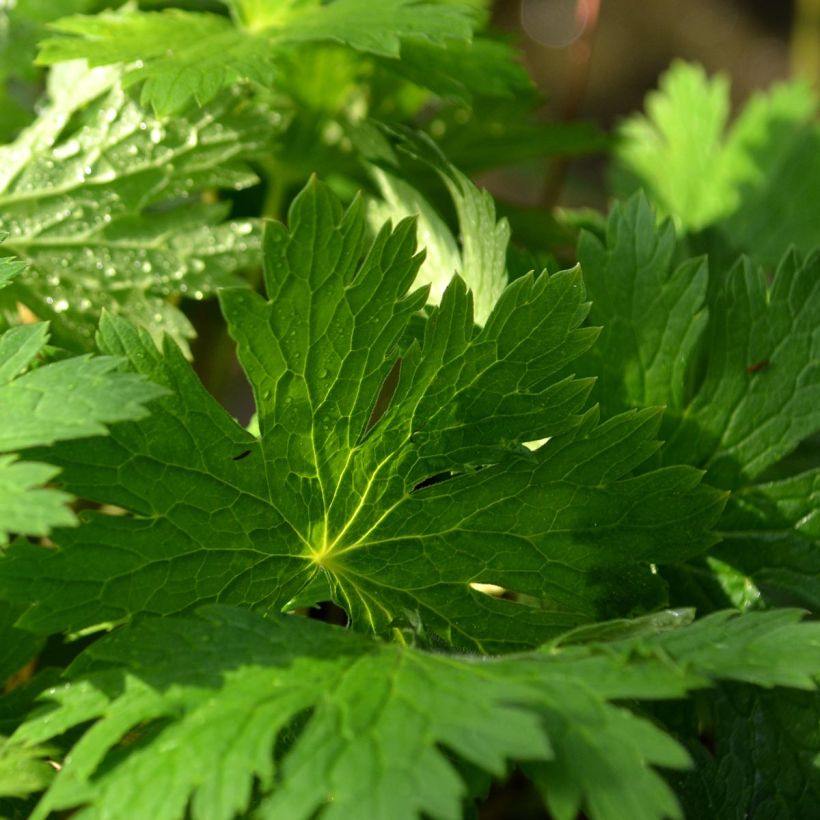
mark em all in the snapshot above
pixel 756 398
pixel 104 212
pixel 316 722
pixel 395 476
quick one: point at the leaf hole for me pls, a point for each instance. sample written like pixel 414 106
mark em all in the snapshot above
pixel 386 393
pixel 438 478
pixel 328 612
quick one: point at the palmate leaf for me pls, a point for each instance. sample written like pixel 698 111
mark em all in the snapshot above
pixel 184 55
pixel 756 401
pixel 366 729
pixel 104 214
pixel 337 489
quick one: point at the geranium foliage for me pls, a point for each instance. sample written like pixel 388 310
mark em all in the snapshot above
pixel 407 517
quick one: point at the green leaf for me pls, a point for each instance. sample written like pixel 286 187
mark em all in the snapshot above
pixel 22 25
pixel 9 268
pixel 463 70
pixel 753 181
pixel 771 532
pixel 442 257
pixel 23 771
pixel 399 474
pixel 72 398
pixel 497 132
pixel 27 507
pixel 179 55
pixel 759 755
pixel 16 646
pixel 680 158
pixel 760 396
pixel 652 310
pixel 760 393
pixel 482 262
pixel 361 728
pixel 104 216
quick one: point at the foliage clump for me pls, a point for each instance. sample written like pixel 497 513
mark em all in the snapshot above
pixel 568 514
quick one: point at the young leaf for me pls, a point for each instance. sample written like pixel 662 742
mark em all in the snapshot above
pixel 72 398
pixel 179 55
pixel 358 726
pixel 93 211
pixel 398 474
pixel 672 154
pixel 755 178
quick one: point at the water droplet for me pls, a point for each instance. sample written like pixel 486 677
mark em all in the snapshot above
pixel 60 306
pixel 198 295
pixel 156 134
pixel 146 267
